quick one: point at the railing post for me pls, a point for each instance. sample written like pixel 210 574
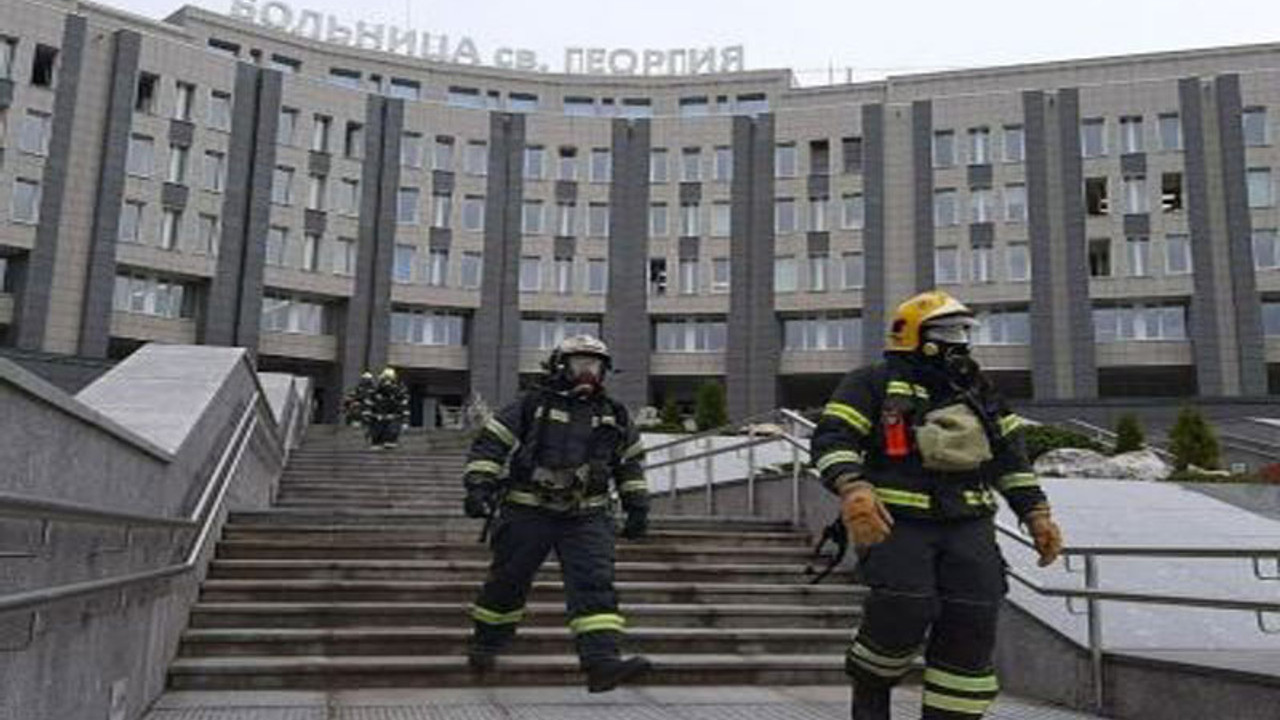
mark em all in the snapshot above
pixel 751 471
pixel 795 477
pixel 707 478
pixel 1095 631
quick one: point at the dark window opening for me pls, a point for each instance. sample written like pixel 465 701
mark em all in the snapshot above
pixel 1171 191
pixel 145 102
pixel 1095 196
pixel 852 147
pixel 819 157
pixel 42 66
pixel 229 48
pixel 658 276
pixel 1100 258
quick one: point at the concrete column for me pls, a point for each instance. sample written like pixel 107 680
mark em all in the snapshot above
pixel 873 232
pixel 258 215
pixel 354 343
pixel 386 151
pixel 922 180
pixel 1070 277
pixel 626 321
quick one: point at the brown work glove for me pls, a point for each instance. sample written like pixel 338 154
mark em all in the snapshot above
pixel 1046 534
pixel 865 517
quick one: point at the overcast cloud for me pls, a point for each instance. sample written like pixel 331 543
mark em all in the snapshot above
pixel 873 38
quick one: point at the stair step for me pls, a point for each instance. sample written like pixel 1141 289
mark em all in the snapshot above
pixel 407 641
pixel 320 672
pixel 408 550
pixel 225 591
pixel 437 533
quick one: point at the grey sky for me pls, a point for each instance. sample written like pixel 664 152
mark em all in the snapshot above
pixel 874 37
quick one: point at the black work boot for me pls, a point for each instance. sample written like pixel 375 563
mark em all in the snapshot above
pixel 870 703
pixel 481 661
pixel 606 674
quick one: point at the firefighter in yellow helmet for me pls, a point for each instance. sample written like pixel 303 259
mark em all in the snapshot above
pixel 914 446
pixel 388 410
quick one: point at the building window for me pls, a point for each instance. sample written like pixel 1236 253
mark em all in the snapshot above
pixel 282 186
pixel 348 197
pixel 317 191
pixel 215 171
pixel 818 214
pixel 33 138
pixel 406 256
pixel 657 276
pixel 658 165
pixel 522 102
pixel 170 228
pixel 724 164
pixel 473 213
pixel 1131 136
pixel 979 146
pixel 946 265
pixel 579 107
pixel 566 219
pixel 530 274
pixel 277 246
pixel 1018 263
pixel 404 89
pixel 636 108
pixel 341 77
pixel 534 162
pixel 1254 122
pixel 1177 255
pixel 852 151
pixel 784 159
pixel 545 333
pixel 437 269
pixel 819 157
pixel 1139 256
pixel 177 165
pixel 944 208
pixel 287 125
pixel 598 220
pixel 130 228
pixel 407 206
pixel 784 214
pixel 601 165
pixel 1096 201
pixel 321 126
pixel 1135 194
pixel 1139 322
pixel 1171 192
pixel 981 205
pixel 785 276
pixel 471 270
pixel 411 150
pixel 688 276
pixel 1170 131
pixel 220 111
pixel 720 274
pixel 1015 203
pixel 442 153
pixel 691 165
pixel 353 141
pixel 1266 249
pixel 428 327
pixel 1002 327
pixel 286 65
pixel 1271 318
pixel 441 210
pixel 658 220
pixel 853 212
pixel 1258 181
pixel 694 106
pixel 821 332
pixel 568 165
pixel 819 271
pixel 141 156
pixel 8 51
pixel 344 256
pixel 1015 144
pixel 980 264
pixel 1093 137
pixel 284 314
pixel 477 160
pixel 310 251
pixel 206 241
pixel 689 226
pixel 690 336
pixel 43 63
pixel 1100 257
pixel 721 219
pixel 150 295
pixel 597 276
pixel 466 97
pixel 531 217
pixel 944 149
pixel 854 271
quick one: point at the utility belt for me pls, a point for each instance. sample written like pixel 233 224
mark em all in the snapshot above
pixel 564 490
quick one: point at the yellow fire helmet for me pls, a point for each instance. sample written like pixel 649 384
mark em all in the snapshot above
pixel 911 315
pixel 388 374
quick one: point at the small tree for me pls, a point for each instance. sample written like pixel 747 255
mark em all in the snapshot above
pixel 670 413
pixel 1192 441
pixel 1128 434
pixel 710 411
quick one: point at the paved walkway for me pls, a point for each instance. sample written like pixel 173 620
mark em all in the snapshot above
pixel 645 703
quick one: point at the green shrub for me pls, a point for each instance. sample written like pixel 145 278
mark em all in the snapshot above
pixel 710 412
pixel 1041 439
pixel 1192 441
pixel 1128 434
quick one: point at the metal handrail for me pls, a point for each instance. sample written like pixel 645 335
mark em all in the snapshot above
pixel 205 514
pixel 715 431
pixel 1102 432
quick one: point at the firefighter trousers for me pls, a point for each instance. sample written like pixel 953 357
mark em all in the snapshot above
pixel 382 432
pixel 584 544
pixel 936 586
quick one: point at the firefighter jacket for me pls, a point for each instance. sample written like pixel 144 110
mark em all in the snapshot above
pixel 389 401
pixel 849 442
pixel 560 452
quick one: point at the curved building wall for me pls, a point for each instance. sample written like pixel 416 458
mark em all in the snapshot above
pixel 206 180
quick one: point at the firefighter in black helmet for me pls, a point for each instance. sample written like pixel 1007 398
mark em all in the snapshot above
pixel 914 446
pixel 561 445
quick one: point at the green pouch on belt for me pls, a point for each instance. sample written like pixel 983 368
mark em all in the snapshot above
pixel 952 439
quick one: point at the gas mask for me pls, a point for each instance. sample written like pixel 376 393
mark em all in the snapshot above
pixel 585 374
pixel 948 341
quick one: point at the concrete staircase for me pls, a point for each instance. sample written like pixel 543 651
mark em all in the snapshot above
pixel 363 572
